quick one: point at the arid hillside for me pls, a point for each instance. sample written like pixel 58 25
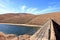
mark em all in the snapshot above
pixel 20 18
pixel 41 19
pixel 29 18
pixel 6 16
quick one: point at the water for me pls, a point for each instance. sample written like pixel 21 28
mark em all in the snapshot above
pixel 18 30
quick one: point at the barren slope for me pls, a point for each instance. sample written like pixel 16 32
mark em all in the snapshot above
pixel 6 16
pixel 29 18
pixel 19 18
pixel 41 19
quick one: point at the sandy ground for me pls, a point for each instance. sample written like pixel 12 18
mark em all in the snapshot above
pixel 22 25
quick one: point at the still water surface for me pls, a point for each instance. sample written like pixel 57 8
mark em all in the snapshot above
pixel 18 30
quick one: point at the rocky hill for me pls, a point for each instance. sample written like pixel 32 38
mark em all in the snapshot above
pixel 20 18
pixel 41 19
pixel 24 18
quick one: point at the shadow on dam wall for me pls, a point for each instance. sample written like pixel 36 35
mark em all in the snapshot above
pixel 57 30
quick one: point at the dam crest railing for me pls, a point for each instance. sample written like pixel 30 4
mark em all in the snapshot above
pixel 46 32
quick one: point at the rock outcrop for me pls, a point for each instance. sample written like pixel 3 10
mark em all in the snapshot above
pixel 22 37
pixel 14 37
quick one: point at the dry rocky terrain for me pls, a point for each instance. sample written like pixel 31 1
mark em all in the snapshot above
pixel 14 37
pixel 24 18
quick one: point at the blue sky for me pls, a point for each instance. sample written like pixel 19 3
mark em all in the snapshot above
pixel 29 6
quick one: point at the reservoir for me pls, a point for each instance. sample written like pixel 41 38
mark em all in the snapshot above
pixel 18 30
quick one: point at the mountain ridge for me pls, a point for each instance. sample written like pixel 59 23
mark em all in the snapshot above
pixel 25 18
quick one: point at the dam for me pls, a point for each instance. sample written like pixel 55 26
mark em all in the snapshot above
pixel 49 31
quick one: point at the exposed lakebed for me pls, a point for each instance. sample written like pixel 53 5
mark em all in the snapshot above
pixel 18 30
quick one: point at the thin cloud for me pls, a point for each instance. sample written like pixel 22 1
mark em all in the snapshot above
pixel 23 8
pixel 31 10
pixel 28 10
pixel 49 9
pixel 4 3
pixel 5 0
pixel 54 4
pixel 2 11
pixel 36 10
pixel 5 8
pixel 1 5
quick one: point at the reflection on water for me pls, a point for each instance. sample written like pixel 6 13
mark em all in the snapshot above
pixel 18 30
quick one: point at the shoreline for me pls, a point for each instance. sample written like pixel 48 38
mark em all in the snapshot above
pixel 22 24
